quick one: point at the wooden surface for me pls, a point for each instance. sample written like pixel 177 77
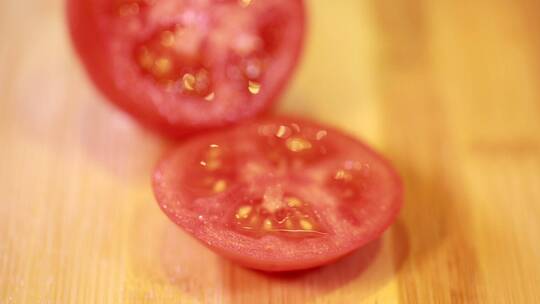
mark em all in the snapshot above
pixel 449 90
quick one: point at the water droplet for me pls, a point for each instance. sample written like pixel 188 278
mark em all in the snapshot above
pixel 254 87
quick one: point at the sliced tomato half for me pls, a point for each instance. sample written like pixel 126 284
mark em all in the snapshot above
pixel 181 66
pixel 278 194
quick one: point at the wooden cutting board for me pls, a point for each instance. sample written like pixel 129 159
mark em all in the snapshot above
pixel 448 90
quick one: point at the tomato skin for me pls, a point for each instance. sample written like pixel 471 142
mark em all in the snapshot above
pixel 92 47
pixel 273 254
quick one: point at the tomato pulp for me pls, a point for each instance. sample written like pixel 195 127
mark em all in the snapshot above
pixel 278 194
pixel 181 66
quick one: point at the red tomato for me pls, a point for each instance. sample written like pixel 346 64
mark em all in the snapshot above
pixel 181 66
pixel 278 194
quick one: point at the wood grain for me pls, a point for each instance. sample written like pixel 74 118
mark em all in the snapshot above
pixel 448 90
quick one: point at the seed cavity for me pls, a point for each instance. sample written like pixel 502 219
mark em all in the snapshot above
pixel 290 219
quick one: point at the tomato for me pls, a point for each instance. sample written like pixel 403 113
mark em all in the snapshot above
pixel 278 194
pixel 181 66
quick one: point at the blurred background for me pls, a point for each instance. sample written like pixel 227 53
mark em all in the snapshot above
pixel 448 90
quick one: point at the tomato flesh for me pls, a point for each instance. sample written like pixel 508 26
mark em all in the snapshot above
pixel 278 194
pixel 182 66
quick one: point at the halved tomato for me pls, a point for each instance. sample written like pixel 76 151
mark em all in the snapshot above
pixel 278 194
pixel 181 66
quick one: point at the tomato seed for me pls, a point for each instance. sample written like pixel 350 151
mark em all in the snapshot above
pixel 220 186
pixel 297 144
pixel 254 87
pixel 293 202
pixel 306 225
pixel 243 212
pixel 189 81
